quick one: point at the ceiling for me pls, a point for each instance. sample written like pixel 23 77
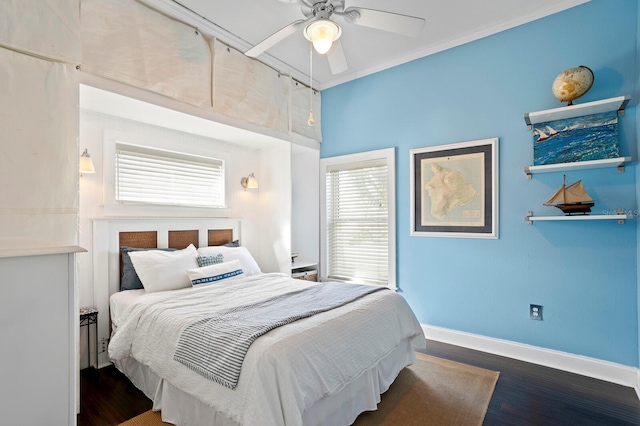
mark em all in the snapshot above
pixel 449 23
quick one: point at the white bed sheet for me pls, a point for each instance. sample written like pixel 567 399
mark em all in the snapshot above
pixel 120 302
pixel 288 370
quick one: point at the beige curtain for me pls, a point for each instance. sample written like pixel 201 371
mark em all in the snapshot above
pixel 45 28
pixel 38 152
pixel 125 41
pixel 249 90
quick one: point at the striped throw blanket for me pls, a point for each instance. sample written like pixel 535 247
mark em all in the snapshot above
pixel 215 346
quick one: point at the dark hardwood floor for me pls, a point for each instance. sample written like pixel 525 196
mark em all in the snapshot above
pixel 108 398
pixel 529 394
pixel 526 394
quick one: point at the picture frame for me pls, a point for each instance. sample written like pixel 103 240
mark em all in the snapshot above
pixel 589 137
pixel 454 190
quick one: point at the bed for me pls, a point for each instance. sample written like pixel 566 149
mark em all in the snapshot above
pixel 317 370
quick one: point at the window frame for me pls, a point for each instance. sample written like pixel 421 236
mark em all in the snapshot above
pixel 172 160
pixel 386 154
pixel 111 206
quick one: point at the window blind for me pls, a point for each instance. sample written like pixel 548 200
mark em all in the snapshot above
pixel 357 222
pixel 146 175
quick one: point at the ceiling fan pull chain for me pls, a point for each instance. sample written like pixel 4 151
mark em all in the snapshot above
pixel 310 120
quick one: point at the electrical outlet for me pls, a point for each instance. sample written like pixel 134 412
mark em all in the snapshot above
pixel 102 346
pixel 535 312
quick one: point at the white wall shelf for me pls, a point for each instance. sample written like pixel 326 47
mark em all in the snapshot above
pixel 578 165
pixel 578 110
pixel 620 217
pixel 605 105
pixel 301 264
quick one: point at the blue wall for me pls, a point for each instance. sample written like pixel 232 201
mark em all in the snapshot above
pixel 583 273
pixel 638 174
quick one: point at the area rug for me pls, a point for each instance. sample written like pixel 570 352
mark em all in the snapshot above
pixel 433 392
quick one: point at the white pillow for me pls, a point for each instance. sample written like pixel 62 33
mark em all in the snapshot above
pixel 248 263
pixel 164 270
pixel 215 273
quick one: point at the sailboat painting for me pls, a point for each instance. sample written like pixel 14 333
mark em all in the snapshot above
pixel 590 137
pixel 572 199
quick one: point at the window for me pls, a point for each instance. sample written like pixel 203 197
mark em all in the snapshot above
pixel 147 175
pixel 358 221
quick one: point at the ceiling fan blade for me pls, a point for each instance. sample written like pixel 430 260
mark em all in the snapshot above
pixel 336 58
pixel 387 21
pixel 276 37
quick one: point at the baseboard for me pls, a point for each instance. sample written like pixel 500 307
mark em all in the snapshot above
pixel 591 367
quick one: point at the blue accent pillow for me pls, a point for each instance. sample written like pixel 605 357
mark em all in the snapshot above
pixel 215 273
pixel 234 243
pixel 214 259
pixel 129 279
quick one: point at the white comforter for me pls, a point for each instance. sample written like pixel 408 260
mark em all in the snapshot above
pixel 285 371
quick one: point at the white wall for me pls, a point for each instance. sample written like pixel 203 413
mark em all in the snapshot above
pixel 305 203
pixel 94 127
pixel 274 208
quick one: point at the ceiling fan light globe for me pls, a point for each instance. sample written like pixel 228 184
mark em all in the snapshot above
pixel 322 45
pixel 322 33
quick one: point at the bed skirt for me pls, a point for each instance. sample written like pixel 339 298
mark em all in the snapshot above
pixel 342 408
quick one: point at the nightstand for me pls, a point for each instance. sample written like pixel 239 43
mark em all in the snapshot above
pixel 304 270
pixel 89 316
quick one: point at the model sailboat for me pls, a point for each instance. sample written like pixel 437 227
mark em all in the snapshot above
pixel 572 199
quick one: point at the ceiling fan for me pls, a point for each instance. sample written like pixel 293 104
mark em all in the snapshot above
pixel 324 33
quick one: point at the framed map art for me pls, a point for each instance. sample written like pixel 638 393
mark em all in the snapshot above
pixel 454 190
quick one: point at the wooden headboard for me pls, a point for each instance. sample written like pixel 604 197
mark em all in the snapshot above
pixel 178 239
pixel 109 234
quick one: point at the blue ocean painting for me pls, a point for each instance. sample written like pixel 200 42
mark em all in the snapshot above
pixel 590 137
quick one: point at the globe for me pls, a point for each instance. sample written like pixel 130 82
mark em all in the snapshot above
pixel 570 84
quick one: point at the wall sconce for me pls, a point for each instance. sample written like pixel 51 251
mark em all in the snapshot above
pixel 86 164
pixel 249 182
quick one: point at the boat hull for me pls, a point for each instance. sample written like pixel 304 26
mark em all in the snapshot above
pixel 575 208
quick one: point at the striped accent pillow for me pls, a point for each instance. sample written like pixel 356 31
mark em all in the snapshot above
pixel 214 259
pixel 215 273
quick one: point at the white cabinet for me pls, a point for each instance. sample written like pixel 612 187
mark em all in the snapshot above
pixel 38 330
